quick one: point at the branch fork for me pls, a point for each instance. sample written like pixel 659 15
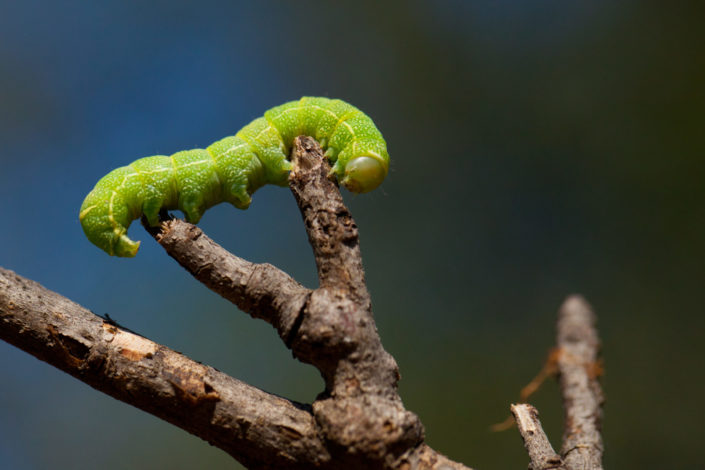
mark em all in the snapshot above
pixel 576 362
pixel 358 421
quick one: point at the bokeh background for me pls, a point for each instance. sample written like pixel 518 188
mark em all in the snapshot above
pixel 538 149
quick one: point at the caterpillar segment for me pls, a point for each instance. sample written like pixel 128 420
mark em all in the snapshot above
pixel 232 169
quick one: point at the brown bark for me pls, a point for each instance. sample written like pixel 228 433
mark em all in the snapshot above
pixel 541 453
pixel 579 369
pixel 261 290
pixel 359 420
pixel 259 429
pixel 576 362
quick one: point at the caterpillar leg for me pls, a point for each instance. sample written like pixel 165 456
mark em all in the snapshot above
pixel 151 209
pixel 197 182
pixel 240 197
pixel 191 203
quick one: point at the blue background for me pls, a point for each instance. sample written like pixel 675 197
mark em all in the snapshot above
pixel 538 149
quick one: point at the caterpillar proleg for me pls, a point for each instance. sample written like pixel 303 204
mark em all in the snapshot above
pixel 233 168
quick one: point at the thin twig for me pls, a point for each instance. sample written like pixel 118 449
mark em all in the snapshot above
pixel 575 360
pixel 579 369
pixel 541 454
pixel 262 290
pixel 549 369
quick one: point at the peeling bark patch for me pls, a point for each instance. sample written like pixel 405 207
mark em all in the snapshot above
pixel 134 355
pixel 291 432
pixel 162 385
pixel 186 383
pixel 75 348
pixel 189 383
pixel 131 346
pixel 111 329
pixel 71 349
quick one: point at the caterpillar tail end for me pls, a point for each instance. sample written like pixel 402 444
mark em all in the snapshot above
pixel 126 248
pixel 113 242
pixel 105 232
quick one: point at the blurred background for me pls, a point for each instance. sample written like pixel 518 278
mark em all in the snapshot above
pixel 538 149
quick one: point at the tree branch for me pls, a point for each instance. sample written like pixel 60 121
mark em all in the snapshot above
pixel 331 229
pixel 261 290
pixel 259 429
pixel 359 421
pixel 575 360
pixel 360 413
pixel 579 369
pixel 541 454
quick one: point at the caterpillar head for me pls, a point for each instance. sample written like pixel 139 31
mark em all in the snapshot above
pixel 362 165
pixel 363 174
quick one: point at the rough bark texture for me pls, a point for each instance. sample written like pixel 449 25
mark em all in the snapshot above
pixel 257 428
pixel 541 454
pixel 579 369
pixel 360 411
pixel 576 362
pixel 261 290
pixel 358 421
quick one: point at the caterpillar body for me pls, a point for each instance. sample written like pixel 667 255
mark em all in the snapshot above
pixel 232 169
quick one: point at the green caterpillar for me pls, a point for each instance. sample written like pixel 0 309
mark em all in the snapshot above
pixel 233 168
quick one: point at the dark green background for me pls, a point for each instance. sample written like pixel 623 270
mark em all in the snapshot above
pixel 538 149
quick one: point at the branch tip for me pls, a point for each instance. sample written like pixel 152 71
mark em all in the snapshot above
pixel 541 453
